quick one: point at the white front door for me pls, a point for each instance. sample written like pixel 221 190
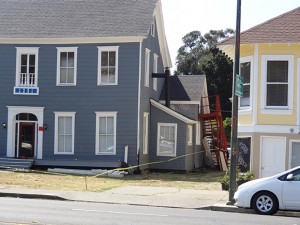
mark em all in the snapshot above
pixel 272 155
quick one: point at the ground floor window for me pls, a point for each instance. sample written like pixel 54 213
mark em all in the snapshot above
pixel 106 133
pixel 166 139
pixel 295 154
pixel 64 132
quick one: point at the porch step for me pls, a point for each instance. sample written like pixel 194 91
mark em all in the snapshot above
pixel 13 163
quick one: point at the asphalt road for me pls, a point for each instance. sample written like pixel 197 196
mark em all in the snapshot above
pixel 48 212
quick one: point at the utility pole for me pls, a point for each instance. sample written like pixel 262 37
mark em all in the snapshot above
pixel 234 117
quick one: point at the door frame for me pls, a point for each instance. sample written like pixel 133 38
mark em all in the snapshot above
pixel 35 127
pixel 261 151
pixel 11 129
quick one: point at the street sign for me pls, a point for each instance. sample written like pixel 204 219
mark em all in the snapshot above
pixel 239 86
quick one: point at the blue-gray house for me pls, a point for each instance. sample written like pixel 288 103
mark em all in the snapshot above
pixel 76 86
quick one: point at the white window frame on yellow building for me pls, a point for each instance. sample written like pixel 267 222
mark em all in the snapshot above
pixel 286 110
pixel 248 109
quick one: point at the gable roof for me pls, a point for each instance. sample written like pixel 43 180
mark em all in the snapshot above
pixel 172 112
pixel 284 28
pixel 185 88
pixel 75 18
pixel 81 21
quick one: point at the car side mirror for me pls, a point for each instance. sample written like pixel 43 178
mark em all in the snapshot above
pixel 290 177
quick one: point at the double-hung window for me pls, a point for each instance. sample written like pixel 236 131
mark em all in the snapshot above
pixel 145 133
pixel 147 64
pixel 155 60
pixel 64 132
pixel 106 133
pixel 27 71
pixel 166 139
pixel 66 66
pixel 152 28
pixel 108 65
pixel 277 71
pixel 246 73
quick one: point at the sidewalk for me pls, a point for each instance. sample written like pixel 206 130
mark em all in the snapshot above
pixel 141 195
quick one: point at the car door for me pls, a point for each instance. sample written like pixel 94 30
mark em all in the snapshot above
pixel 290 191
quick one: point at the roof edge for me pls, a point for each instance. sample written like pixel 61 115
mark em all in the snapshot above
pixel 81 40
pixel 172 112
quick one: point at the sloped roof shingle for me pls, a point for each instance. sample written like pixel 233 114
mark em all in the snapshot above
pixel 284 28
pixel 185 88
pixel 75 18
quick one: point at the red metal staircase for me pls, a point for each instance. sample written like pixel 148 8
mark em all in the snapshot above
pixel 213 132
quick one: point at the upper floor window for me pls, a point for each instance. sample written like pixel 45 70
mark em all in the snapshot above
pixel 152 27
pixel 155 61
pixel 277 74
pixel 27 71
pixel 147 63
pixel 108 65
pixel 66 66
pixel 246 73
pixel 64 132
pixel 106 123
pixel 166 139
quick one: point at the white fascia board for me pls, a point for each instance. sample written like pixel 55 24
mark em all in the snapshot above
pixel 181 102
pixel 275 129
pixel 172 112
pixel 71 40
pixel 163 45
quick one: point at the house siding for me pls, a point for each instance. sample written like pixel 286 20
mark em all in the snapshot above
pixel 158 116
pixel 148 93
pixel 85 98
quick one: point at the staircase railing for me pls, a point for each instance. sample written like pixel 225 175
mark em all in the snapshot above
pixel 213 130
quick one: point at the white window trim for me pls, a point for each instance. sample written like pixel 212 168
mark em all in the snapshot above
pixel 198 133
pixel 110 49
pixel 158 133
pixel 105 114
pixel 290 151
pixel 145 133
pixel 155 64
pixel 247 109
pixel 147 69
pixel 64 114
pixel 27 50
pixel 277 109
pixel 66 49
pixel 190 135
pixel 152 27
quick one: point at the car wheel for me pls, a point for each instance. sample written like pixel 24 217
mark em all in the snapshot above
pixel 265 203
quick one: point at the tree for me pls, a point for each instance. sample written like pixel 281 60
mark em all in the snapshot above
pixel 200 55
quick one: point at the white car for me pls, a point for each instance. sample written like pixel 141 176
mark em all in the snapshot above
pixel 268 195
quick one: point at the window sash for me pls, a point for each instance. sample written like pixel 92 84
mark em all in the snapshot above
pixel 64 133
pixel 105 133
pixel 66 66
pixel 147 63
pixel 167 139
pixel 145 133
pixel 27 67
pixel 245 71
pixel 108 65
pixel 277 83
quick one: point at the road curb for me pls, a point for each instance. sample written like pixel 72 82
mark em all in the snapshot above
pixel 35 196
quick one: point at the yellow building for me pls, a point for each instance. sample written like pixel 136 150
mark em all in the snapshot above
pixel 269 111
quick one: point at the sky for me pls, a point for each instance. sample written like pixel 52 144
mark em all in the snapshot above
pixel 184 16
